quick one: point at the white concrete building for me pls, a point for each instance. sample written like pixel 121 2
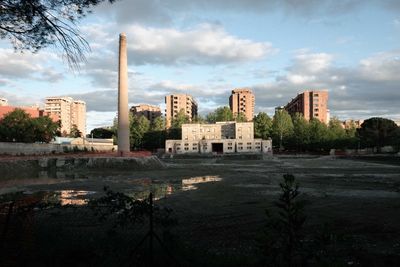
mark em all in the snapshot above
pixel 222 137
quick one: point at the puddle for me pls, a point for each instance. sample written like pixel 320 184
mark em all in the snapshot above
pixel 135 188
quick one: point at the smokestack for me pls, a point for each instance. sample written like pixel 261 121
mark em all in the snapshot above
pixel 123 109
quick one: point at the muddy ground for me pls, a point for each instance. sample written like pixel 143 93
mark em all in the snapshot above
pixel 220 205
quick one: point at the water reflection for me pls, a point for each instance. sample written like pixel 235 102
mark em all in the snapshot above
pixel 135 188
pixel 189 184
pixel 74 197
pixel 60 197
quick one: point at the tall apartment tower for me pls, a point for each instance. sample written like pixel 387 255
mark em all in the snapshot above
pixel 242 100
pixel 149 111
pixel 69 112
pixel 3 102
pixel 78 116
pixel 312 104
pixel 175 103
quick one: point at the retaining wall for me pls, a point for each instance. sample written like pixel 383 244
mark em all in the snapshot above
pixel 41 149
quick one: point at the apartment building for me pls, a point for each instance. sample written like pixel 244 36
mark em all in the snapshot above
pixel 3 102
pixel 347 124
pixel 221 137
pixel 149 111
pixel 176 103
pixel 69 111
pixel 242 100
pixel 312 104
pixel 78 115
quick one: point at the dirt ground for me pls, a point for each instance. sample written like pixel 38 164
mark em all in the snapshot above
pixel 220 204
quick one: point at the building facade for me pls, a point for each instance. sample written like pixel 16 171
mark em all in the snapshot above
pixel 149 111
pixel 347 124
pixel 176 103
pixel 312 104
pixel 221 137
pixel 3 102
pixel 242 100
pixel 69 111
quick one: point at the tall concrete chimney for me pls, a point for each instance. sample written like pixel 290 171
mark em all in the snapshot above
pixel 123 110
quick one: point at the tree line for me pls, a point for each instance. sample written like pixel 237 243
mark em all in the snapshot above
pixel 292 133
pixel 19 126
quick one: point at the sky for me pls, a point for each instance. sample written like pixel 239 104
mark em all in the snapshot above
pixel 207 48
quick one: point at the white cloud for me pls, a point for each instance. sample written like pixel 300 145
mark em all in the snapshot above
pixel 205 44
pixel 15 65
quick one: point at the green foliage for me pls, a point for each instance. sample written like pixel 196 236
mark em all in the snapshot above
pixel 199 119
pixel 262 126
pixel 282 126
pixel 158 124
pixel 101 133
pixel 240 117
pixel 18 126
pixel 378 132
pixel 319 135
pixel 220 114
pixel 301 132
pixel 138 127
pixel 75 133
pixel 181 118
pixel 283 233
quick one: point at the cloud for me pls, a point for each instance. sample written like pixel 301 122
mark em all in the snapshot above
pixel 14 65
pixel 205 44
pixel 367 89
pixel 168 12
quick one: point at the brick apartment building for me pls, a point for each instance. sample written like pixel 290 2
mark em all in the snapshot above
pixel 69 111
pixel 149 111
pixel 176 103
pixel 242 100
pixel 312 104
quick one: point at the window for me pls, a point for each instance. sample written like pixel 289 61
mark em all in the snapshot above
pixel 315 109
pixel 316 114
pixel 229 148
pixel 186 144
pixel 194 144
pixel 315 94
pixel 257 147
pixel 258 143
pixel 249 147
pixel 178 148
pixel 240 147
pixel 229 144
pixel 194 148
pixel 240 143
pixel 186 148
pixel 249 143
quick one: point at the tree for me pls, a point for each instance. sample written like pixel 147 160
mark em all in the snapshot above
pixel 45 129
pixel 220 114
pixel 138 127
pixel 283 244
pixel 240 117
pixel 301 133
pixel 158 124
pixel 18 126
pixel 319 134
pixel 336 129
pixel 378 132
pixel 199 119
pixel 180 119
pixel 262 126
pixel 282 126
pixel 101 133
pixel 75 133
pixel 32 25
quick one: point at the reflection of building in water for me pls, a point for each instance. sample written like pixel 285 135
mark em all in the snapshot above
pixel 74 197
pixel 189 184
pixel 221 137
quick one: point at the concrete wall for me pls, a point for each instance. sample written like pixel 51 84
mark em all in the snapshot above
pixel 35 149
